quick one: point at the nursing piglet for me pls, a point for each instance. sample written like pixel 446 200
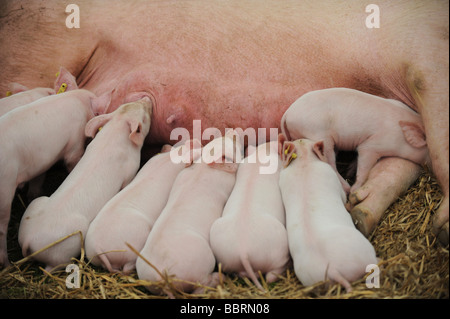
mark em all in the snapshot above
pixel 129 216
pixel 21 95
pixel 179 241
pixel 251 235
pixel 323 241
pixel 110 162
pixel 348 119
pixel 33 138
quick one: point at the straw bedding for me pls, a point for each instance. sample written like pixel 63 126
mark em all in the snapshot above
pixel 413 264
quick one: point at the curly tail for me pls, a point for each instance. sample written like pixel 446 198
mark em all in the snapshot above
pixel 336 276
pixel 249 270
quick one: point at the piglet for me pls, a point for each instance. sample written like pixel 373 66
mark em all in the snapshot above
pixel 33 138
pixel 178 244
pixel 348 119
pixel 110 162
pixel 251 235
pixel 129 216
pixel 323 241
pixel 21 95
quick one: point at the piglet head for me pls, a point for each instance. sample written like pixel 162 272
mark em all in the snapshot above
pixel 288 153
pixel 135 114
pixel 302 148
pixel 138 118
pixel 224 152
pixel 286 150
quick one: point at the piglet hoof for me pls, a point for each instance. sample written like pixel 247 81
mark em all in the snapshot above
pixel 212 281
pixel 363 219
pixel 356 197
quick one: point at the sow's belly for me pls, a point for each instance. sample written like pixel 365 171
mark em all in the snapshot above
pixel 229 68
pixel 205 115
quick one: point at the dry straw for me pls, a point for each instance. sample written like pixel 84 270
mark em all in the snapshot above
pixel 412 265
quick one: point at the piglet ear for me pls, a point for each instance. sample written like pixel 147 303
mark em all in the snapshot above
pixel 319 150
pixel 136 135
pixel 226 167
pixel 16 88
pixel 65 81
pixel 288 153
pixel 414 133
pixel 95 124
pixel 166 148
pixel 281 139
pixel 101 103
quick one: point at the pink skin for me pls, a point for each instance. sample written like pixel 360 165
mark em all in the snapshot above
pixel 36 136
pixel 21 97
pixel 130 215
pixel 110 162
pixel 179 241
pixel 350 120
pixel 238 64
pixel 323 242
pixel 251 236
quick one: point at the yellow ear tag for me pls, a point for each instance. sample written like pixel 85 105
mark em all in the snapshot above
pixel 62 88
pixel 57 74
pixel 100 128
pixel 287 150
pixel 293 156
pixel 8 93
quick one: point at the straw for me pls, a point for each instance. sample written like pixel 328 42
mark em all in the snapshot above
pixel 413 264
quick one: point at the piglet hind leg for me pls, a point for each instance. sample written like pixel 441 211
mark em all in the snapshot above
pixel 212 280
pixel 366 160
pixel 387 180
